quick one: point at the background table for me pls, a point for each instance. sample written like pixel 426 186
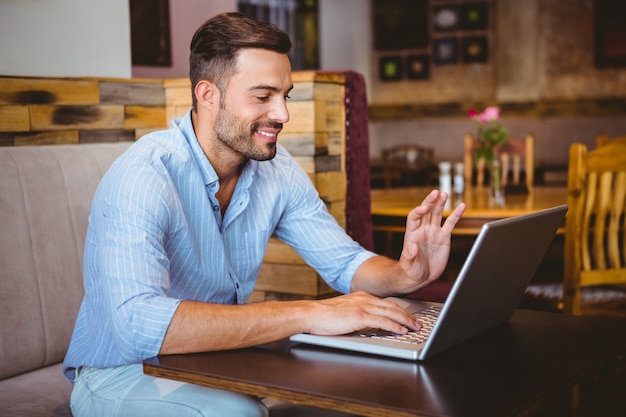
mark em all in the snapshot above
pixel 525 367
pixel 390 206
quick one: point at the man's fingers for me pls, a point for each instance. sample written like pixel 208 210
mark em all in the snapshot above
pixel 396 314
pixel 454 217
pixel 429 211
pixel 375 312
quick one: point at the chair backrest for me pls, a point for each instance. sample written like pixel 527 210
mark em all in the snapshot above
pixel 511 156
pixel 595 248
pixel 406 164
pixel 604 139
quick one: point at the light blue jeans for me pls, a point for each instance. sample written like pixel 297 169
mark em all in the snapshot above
pixel 126 391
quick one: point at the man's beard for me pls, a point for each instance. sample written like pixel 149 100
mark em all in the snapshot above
pixel 239 136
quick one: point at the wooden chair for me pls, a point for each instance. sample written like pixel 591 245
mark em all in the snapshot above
pixel 406 164
pixel 513 152
pixel 604 139
pixel 595 242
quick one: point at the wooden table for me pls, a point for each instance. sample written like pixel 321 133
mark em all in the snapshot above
pixel 524 367
pixel 391 206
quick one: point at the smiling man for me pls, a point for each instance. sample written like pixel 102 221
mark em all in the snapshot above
pixel 179 226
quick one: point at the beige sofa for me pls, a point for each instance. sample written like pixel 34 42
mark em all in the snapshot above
pixel 45 196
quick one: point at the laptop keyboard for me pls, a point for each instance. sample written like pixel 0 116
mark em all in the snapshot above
pixel 428 317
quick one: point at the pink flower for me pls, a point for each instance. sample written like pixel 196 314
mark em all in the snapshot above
pixel 490 113
pixel 490 133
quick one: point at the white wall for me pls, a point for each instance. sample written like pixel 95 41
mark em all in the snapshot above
pixel 65 38
pixel 345 36
pixel 91 38
pixel 186 16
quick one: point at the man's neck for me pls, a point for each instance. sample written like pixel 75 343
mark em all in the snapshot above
pixel 226 190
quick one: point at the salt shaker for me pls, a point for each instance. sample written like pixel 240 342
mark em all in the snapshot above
pixel 445 177
pixel 459 182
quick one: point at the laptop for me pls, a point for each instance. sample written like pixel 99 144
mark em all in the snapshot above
pixel 490 285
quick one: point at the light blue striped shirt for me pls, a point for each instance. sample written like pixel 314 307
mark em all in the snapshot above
pixel 156 236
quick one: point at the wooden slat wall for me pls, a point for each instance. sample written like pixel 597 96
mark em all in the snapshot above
pixel 45 111
pixel 48 111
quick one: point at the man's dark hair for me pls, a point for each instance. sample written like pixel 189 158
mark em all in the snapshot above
pixel 216 45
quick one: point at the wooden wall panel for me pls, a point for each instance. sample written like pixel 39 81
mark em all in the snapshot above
pixel 37 111
pixel 57 91
pixel 46 118
pixel 132 93
pixel 62 137
pixel 14 119
pixel 136 117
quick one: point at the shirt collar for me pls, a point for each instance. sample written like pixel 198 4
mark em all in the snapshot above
pixel 208 172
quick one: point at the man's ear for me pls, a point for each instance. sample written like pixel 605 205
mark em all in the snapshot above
pixel 207 94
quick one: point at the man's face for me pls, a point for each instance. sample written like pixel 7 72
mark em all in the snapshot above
pixel 253 108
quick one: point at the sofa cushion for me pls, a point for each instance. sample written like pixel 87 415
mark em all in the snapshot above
pixel 44 392
pixel 45 197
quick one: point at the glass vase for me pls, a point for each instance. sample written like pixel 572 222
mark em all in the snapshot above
pixel 496 190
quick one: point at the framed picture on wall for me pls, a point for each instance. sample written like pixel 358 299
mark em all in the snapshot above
pixel 446 51
pixel 610 33
pixel 390 68
pixel 418 67
pixel 150 32
pixel 474 16
pixel 400 24
pixel 475 49
pixel 446 18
